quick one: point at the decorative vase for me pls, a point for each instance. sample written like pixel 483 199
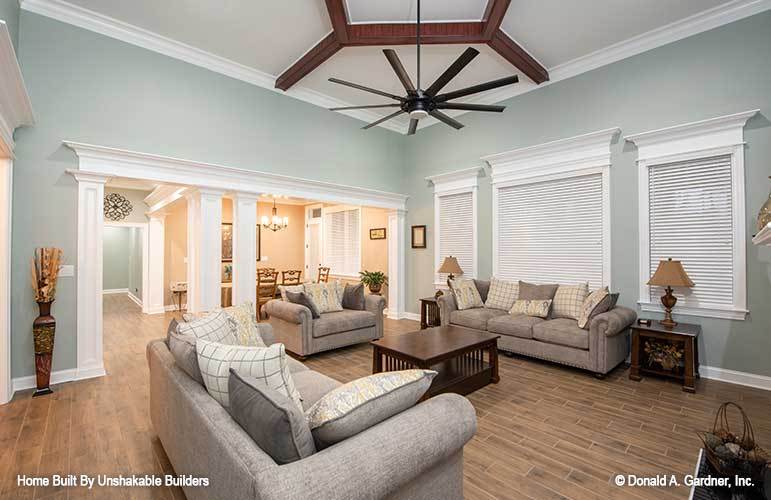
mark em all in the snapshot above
pixel 43 329
pixel 375 288
pixel 764 216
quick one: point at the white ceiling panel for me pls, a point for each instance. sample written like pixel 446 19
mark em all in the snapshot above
pixel 557 31
pixel 265 35
pixel 384 11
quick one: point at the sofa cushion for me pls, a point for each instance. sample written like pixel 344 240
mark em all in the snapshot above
pixel 502 294
pixel 353 297
pixel 214 327
pixel 569 300
pixel 246 330
pixel 295 366
pixel 312 386
pixel 328 297
pixel 475 318
pixel 342 321
pixel 513 326
pixel 596 303
pixel 466 294
pixel 529 291
pixel 302 299
pixel 537 308
pixel 270 418
pixel 182 347
pixel 562 331
pixel 483 287
pixel 289 288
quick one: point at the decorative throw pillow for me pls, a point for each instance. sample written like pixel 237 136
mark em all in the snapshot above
pixel 529 291
pixel 358 405
pixel 301 298
pixel 271 419
pixel 171 328
pixel 327 296
pixel 268 365
pixel 214 327
pixel 182 347
pixel 536 308
pixel 466 294
pixel 593 302
pixel 353 297
pixel 502 294
pixel 289 288
pixel 569 300
pixel 246 330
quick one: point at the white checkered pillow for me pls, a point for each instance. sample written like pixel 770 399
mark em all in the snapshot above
pixel 569 301
pixel 214 327
pixel 502 294
pixel 268 365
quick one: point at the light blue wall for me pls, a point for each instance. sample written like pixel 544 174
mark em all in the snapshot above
pixel 135 262
pixel 723 71
pixel 9 12
pixel 115 257
pixel 90 88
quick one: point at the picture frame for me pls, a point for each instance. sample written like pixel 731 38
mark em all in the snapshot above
pixel 419 236
pixel 227 242
pixel 377 233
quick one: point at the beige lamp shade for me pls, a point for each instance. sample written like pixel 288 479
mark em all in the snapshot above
pixel 450 266
pixel 670 273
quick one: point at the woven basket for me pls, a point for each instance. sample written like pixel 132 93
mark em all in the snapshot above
pixel 751 460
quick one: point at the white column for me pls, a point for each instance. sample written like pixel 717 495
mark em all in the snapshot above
pixel 204 243
pixel 89 274
pixel 6 167
pixel 397 239
pixel 244 248
pixel 156 243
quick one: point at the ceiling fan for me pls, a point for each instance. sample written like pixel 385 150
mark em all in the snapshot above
pixel 420 103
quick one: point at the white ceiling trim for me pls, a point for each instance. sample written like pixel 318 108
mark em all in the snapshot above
pixel 108 26
pixel 15 106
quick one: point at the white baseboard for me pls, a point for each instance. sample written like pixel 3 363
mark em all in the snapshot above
pixel 157 310
pixel 57 377
pixel 735 377
pixel 135 299
pixel 114 290
pixel 403 315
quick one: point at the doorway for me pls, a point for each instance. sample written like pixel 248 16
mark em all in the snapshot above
pixel 125 261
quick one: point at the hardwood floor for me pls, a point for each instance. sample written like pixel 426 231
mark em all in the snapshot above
pixel 545 431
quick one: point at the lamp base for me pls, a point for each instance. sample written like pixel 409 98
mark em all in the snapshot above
pixel 668 300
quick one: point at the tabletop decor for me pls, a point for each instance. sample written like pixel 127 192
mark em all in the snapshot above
pixel 45 271
pixel 374 280
pixel 670 273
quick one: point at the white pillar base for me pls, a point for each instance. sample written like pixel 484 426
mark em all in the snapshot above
pixel 244 248
pixel 397 239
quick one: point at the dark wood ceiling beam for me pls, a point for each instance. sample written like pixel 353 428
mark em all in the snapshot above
pixel 312 59
pixel 516 55
pixel 493 17
pixel 405 33
pixel 336 9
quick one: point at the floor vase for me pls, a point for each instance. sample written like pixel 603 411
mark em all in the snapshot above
pixel 43 330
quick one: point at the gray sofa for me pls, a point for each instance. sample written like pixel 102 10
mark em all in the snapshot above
pixel 302 335
pixel 415 454
pixel 599 349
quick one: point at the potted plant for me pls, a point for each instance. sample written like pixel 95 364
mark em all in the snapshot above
pixel 374 280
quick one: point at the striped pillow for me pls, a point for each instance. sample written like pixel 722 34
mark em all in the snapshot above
pixel 502 294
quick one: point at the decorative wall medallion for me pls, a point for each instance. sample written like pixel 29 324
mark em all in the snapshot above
pixel 116 207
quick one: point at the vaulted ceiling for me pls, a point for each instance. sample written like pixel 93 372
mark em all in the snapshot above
pixel 564 37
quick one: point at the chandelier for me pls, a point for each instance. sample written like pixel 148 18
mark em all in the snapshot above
pixel 275 222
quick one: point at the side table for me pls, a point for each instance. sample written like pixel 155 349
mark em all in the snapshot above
pixel 683 334
pixel 429 313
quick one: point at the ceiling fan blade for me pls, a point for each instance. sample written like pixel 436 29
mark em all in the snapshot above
pixel 451 72
pixel 446 119
pixel 385 118
pixel 396 64
pixel 413 127
pixel 371 106
pixel 501 82
pixel 366 89
pixel 470 107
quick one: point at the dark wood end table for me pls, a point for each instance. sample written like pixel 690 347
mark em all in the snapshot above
pixel 458 354
pixel 684 334
pixel 429 313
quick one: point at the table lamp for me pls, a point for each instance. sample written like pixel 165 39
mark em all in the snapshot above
pixel 451 267
pixel 670 273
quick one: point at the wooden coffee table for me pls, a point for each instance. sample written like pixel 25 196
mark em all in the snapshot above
pixel 458 354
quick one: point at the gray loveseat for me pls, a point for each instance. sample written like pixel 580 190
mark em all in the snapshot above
pixel 600 348
pixel 415 454
pixel 302 335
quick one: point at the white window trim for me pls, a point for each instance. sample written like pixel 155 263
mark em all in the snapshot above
pixel 341 208
pixel 565 158
pixel 457 182
pixel 723 135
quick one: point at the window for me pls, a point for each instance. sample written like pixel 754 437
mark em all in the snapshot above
pixel 342 240
pixel 692 208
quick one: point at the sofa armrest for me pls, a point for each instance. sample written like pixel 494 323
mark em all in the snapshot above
pixel 289 312
pixel 374 304
pixel 266 333
pixel 447 305
pixel 380 460
pixel 613 322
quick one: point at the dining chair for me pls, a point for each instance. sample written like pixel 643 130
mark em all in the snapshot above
pixel 267 281
pixel 323 274
pixel 291 277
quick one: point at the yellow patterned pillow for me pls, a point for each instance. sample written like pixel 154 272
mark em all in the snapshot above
pixel 538 308
pixel 327 297
pixel 466 294
pixel 244 316
pixel 358 405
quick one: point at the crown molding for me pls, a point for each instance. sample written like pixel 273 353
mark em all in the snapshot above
pixel 463 180
pixel 140 37
pixel 15 106
pixel 112 162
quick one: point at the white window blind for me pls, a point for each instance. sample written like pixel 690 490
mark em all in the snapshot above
pixel 552 231
pixel 342 241
pixel 456 231
pixel 691 220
